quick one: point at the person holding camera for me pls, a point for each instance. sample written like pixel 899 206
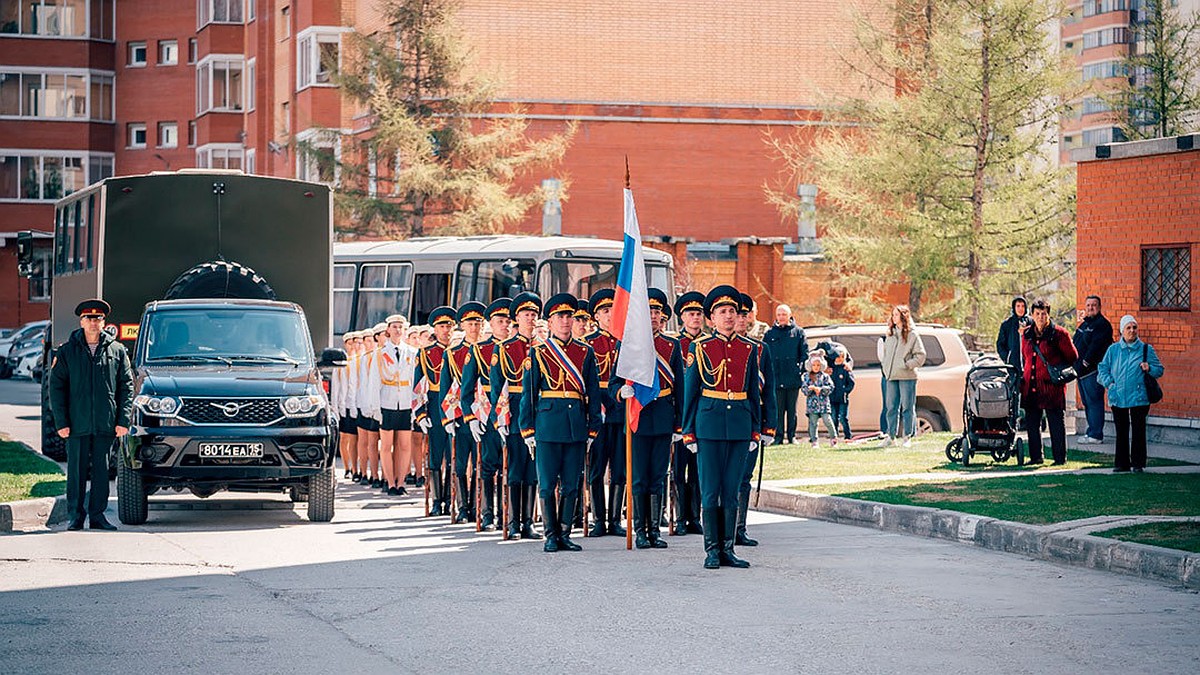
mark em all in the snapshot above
pixel 1046 356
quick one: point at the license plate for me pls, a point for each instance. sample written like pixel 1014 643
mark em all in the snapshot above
pixel 230 450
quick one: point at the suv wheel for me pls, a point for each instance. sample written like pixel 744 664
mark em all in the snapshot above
pixel 320 496
pixel 298 494
pixel 928 421
pixel 131 496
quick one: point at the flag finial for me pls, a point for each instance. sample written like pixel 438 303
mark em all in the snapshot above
pixel 626 172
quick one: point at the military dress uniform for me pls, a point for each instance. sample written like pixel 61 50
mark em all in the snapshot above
pixel 507 378
pixel 457 357
pixel 684 476
pixel 767 390
pixel 477 386
pixel 721 419
pixel 608 451
pixel 342 387
pixel 370 414
pixel 560 416
pixel 428 414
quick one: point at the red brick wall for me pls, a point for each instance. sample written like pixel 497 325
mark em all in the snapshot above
pixel 1124 204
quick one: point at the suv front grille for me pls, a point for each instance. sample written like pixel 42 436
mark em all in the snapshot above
pixel 250 411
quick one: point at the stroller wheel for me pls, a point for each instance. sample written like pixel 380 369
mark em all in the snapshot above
pixel 954 450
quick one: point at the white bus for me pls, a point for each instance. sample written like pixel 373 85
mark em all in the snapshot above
pixel 372 279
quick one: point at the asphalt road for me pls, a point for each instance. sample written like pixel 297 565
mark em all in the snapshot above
pixel 236 585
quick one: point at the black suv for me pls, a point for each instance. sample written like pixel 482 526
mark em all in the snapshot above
pixel 228 396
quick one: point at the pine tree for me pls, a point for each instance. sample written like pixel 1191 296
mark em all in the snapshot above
pixel 1161 95
pixel 438 157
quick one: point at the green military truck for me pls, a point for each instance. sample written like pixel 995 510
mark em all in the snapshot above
pixel 220 286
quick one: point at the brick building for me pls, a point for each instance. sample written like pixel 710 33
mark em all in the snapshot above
pixel 1138 235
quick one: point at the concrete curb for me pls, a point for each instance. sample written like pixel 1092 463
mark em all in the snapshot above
pixel 32 514
pixel 1035 541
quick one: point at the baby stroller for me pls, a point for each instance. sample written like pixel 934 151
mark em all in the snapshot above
pixel 990 406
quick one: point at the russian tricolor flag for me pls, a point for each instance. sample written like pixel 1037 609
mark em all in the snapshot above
pixel 636 362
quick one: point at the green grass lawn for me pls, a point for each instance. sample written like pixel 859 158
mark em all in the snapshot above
pixel 927 454
pixel 1042 499
pixel 25 475
pixel 1182 536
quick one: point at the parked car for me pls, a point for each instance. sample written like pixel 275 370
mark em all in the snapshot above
pixel 22 335
pixel 939 382
pixel 32 343
pixel 26 362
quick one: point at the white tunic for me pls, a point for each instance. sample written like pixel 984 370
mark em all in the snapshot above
pixel 396 368
pixel 367 390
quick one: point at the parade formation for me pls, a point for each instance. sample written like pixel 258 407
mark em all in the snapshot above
pixel 503 427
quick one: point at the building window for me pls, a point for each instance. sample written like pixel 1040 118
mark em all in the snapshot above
pixel 1104 70
pixel 1102 136
pixel 168 52
pixel 46 176
pixel 50 18
pixel 285 22
pixel 285 121
pixel 1167 277
pixel 251 12
pixel 192 133
pixel 1094 7
pixel 58 95
pixel 168 134
pixel 135 135
pixel 1093 106
pixel 218 11
pixel 137 54
pixel 192 48
pixel 251 156
pixel 100 101
pixel 250 71
pixel 317 155
pixel 317 56
pixel 219 85
pixel 219 156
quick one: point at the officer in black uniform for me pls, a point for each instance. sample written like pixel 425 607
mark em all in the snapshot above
pixel 721 420
pixel 507 375
pixel 560 416
pixel 766 382
pixel 476 388
pixel 91 398
pixel 608 452
pixel 428 415
pixel 689 308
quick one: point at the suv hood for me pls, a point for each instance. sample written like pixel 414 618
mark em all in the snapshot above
pixel 221 380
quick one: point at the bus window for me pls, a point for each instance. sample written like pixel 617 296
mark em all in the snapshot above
pixel 80 237
pixel 429 292
pixel 489 280
pixel 578 278
pixel 383 289
pixel 343 297
pixel 60 242
pixel 659 276
pixel 93 235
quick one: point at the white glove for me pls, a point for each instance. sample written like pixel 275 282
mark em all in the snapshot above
pixel 531 443
pixel 503 429
pixel 477 430
pixel 625 392
pixel 765 440
pixel 590 441
pixel 753 446
pixel 675 438
pixel 692 448
pixel 425 425
pixel 450 427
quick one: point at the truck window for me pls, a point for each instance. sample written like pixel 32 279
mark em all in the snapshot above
pixel 383 289
pixel 343 297
pixel 429 292
pixel 488 280
pixel 194 334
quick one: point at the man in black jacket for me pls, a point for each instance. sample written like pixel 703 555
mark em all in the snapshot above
pixel 91 396
pixel 1092 339
pixel 789 351
pixel 1008 341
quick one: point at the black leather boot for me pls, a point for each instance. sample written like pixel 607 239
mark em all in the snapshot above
pixel 76 523
pixel 728 533
pixel 741 538
pixel 550 525
pixel 596 494
pixel 656 510
pixel 693 526
pixel 616 503
pixel 101 523
pixel 711 519
pixel 527 501
pixel 487 519
pixel 677 508
pixel 578 522
pixel 640 539
pixel 447 477
pixel 462 513
pixel 434 485
pixel 568 507
pixel 515 493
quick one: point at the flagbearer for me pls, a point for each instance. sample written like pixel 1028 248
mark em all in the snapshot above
pixel 560 417
pixel 744 326
pixel 608 452
pixel 507 375
pixel 477 409
pixel 690 310
pixel 721 421
pixel 428 412
pixel 658 424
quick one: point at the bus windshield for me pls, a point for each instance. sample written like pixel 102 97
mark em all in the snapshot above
pixel 582 278
pixel 226 335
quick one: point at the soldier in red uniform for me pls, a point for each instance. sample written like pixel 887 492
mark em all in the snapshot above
pixel 507 373
pixel 608 452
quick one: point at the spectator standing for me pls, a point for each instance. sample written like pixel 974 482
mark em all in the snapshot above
pixel 900 352
pixel 1043 345
pixel 1008 341
pixel 842 375
pixel 817 387
pixel 1092 339
pixel 1122 371
pixel 91 397
pixel 789 351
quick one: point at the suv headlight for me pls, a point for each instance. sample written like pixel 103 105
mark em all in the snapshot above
pixel 159 406
pixel 301 406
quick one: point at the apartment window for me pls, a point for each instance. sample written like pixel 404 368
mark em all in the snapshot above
pixel 1094 7
pixel 49 18
pixel 251 12
pixel 57 95
pixel 1167 277
pixel 251 156
pixel 137 54
pixel 46 176
pixel 285 22
pixel 1102 136
pixel 1105 37
pixel 192 49
pixel 135 135
pixel 168 52
pixel 250 80
pixel 1104 70
pixel 219 85
pixel 218 11
pixel 317 156
pixel 285 122
pixel 192 133
pixel 317 55
pixel 1093 105
pixel 168 134
pixel 219 156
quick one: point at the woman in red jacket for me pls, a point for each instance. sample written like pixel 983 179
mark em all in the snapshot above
pixel 1039 395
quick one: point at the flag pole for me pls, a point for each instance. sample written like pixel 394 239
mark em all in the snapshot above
pixel 628 444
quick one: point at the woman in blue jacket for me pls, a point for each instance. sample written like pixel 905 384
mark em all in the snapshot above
pixel 1121 373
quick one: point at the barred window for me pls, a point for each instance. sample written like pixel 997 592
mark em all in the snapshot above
pixel 1167 277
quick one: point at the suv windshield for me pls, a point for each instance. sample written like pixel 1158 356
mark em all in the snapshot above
pixel 226 335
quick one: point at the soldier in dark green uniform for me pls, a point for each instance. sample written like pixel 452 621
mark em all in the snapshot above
pixel 560 416
pixel 477 406
pixel 766 380
pixel 608 452
pixel 508 371
pixel 428 413
pixel 470 319
pixel 91 397
pixel 684 478
pixel 721 420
